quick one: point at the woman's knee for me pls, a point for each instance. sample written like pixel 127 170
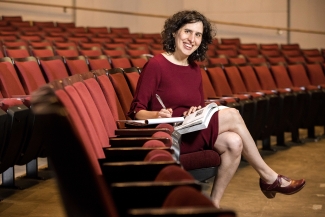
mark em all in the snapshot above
pixel 235 144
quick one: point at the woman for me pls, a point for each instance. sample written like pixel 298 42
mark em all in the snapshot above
pixel 176 78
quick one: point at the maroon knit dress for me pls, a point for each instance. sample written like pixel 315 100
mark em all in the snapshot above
pixel 179 87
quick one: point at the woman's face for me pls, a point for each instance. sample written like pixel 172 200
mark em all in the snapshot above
pixel 188 38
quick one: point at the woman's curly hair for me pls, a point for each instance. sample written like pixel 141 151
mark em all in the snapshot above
pixel 177 21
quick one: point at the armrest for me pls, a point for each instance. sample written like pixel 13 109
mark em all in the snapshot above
pixel 182 211
pixel 153 194
pixel 135 141
pixel 134 170
pixel 140 131
pixel 130 153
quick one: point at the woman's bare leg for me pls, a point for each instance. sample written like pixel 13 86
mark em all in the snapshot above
pixel 230 125
pixel 229 146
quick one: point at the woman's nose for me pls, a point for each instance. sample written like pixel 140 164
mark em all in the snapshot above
pixel 191 38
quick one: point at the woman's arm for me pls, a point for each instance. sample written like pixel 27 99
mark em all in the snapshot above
pixel 163 113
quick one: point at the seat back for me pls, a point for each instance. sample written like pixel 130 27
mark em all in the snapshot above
pixel 110 95
pixel 53 68
pixel 208 90
pixel 219 81
pixel 121 88
pixel 72 161
pixel 132 76
pixel 265 77
pixel 76 65
pixel 98 62
pixel 10 83
pixel 281 76
pixel 235 81
pixel 30 73
pixel 249 78
pixel 315 74
pixel 298 75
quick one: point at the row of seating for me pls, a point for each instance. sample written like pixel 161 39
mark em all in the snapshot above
pixel 98 133
pixel 72 51
pixel 296 91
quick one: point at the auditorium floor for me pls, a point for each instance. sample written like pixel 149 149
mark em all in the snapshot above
pixel 41 197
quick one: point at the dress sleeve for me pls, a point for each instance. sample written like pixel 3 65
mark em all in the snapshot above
pixel 146 87
pixel 201 88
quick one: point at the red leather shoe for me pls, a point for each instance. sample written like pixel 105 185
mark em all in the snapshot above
pixel 269 190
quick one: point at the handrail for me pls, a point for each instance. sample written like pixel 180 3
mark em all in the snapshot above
pixel 64 7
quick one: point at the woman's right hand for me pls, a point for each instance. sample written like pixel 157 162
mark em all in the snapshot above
pixel 165 113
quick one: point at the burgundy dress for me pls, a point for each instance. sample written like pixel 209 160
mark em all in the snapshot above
pixel 179 87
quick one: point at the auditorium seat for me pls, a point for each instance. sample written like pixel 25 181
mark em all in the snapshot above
pixel 290 114
pixel 248 46
pixel 66 51
pixel 249 52
pixel 65 25
pixel 12 18
pixel 291 52
pixel 18 120
pixel 120 62
pixel 316 77
pixel 14 43
pixel 221 88
pixel 299 78
pixel 132 76
pixel 76 65
pixel 98 62
pixel 44 51
pixel 121 87
pixel 234 41
pixel 95 30
pixel 270 52
pixel 139 61
pixel 114 52
pixel 98 202
pixel 31 78
pixel 119 30
pixel 217 60
pixel 256 60
pixel 100 40
pixel 63 44
pixel 30 73
pixel 237 86
pixel 315 59
pixel 273 102
pixel 78 39
pixel 90 44
pixel 53 68
pixel 42 43
pixel 90 51
pixel 237 60
pixel 31 37
pixel 43 24
pixel 294 46
pixel 282 80
pixel 269 46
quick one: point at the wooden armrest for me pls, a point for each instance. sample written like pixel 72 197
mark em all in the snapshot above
pixel 130 153
pixel 134 170
pixel 140 131
pixel 135 141
pixel 182 212
pixel 153 194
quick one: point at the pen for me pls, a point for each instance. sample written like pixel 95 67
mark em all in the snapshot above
pixel 160 101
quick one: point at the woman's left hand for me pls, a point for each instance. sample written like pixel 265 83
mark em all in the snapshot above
pixel 191 110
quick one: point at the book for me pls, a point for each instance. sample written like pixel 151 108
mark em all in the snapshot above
pixel 199 119
pixel 153 121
